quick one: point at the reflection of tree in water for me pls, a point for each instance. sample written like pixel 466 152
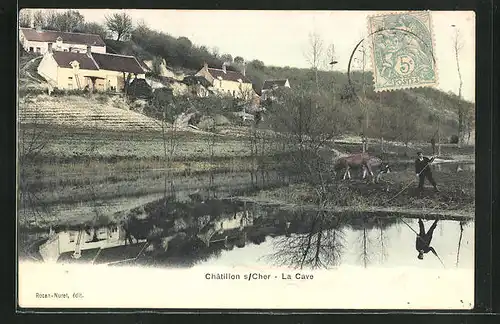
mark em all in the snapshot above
pixel 370 228
pixel 462 224
pixel 382 240
pixel 365 242
pixel 319 247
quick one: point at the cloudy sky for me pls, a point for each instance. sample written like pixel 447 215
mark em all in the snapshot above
pixel 280 38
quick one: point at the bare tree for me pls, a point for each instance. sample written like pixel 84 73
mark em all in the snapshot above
pixel 120 24
pixel 321 245
pixel 360 62
pixel 382 240
pixel 25 18
pixel 470 120
pixel 314 54
pixel 39 20
pixel 365 240
pixel 331 60
pixel 96 29
pixel 458 44
pixel 462 224
pixel 215 52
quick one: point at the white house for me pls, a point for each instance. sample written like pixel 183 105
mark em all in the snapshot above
pixel 37 41
pixel 231 83
pixel 98 71
pixel 164 70
pixel 271 85
pixel 77 241
pixel 221 228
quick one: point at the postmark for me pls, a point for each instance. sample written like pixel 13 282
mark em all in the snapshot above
pixel 402 50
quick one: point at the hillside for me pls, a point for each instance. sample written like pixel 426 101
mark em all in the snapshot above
pixel 87 113
pixel 427 110
pixel 432 109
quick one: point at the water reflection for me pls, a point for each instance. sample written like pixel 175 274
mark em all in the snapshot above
pixel 185 234
pixel 317 243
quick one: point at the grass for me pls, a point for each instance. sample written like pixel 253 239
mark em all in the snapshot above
pixel 392 151
pixel 457 193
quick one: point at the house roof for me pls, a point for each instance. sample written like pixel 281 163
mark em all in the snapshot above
pixel 229 75
pixel 63 59
pixel 51 36
pixel 86 256
pixel 269 84
pixel 99 61
pixel 194 79
pixel 120 253
pixel 144 66
pixel 106 255
pixel 119 63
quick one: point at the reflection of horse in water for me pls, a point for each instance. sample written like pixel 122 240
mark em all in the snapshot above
pixel 139 229
pixel 363 161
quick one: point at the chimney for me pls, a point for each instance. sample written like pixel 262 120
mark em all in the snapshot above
pixel 49 47
pixel 205 65
pixel 89 50
pixel 243 71
pixel 224 67
pixel 38 28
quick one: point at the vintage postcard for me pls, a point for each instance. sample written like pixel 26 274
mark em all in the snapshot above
pixel 231 160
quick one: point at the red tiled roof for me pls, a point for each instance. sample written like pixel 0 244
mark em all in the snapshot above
pixel 119 63
pixel 229 75
pixel 51 36
pixel 111 62
pixel 64 59
pixel 269 84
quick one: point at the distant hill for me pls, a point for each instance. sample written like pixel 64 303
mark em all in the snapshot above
pixel 428 104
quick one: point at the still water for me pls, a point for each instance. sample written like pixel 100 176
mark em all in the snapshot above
pixel 393 246
pixel 231 233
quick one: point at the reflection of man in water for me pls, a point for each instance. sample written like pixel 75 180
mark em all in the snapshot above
pixel 424 239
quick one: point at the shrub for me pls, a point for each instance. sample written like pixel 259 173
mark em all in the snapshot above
pixel 454 139
pixel 23 91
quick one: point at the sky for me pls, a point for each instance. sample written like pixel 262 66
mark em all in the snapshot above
pixel 280 38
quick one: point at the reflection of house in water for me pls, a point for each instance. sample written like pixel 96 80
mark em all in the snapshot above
pixel 95 245
pixel 228 230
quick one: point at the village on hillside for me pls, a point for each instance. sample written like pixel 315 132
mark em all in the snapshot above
pixel 140 148
pixel 78 61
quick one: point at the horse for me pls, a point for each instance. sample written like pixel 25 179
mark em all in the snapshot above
pixel 366 162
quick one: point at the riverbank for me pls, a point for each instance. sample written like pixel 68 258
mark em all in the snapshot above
pixel 397 192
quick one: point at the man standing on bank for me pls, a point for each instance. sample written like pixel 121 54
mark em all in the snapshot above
pixel 423 170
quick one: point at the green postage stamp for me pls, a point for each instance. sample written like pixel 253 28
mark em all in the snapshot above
pixel 402 50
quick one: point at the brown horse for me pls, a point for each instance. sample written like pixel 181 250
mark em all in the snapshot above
pixel 364 161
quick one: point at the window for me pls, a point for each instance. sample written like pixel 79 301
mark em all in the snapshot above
pixel 65 50
pixel 234 93
pixel 31 48
pixel 38 49
pixel 71 237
